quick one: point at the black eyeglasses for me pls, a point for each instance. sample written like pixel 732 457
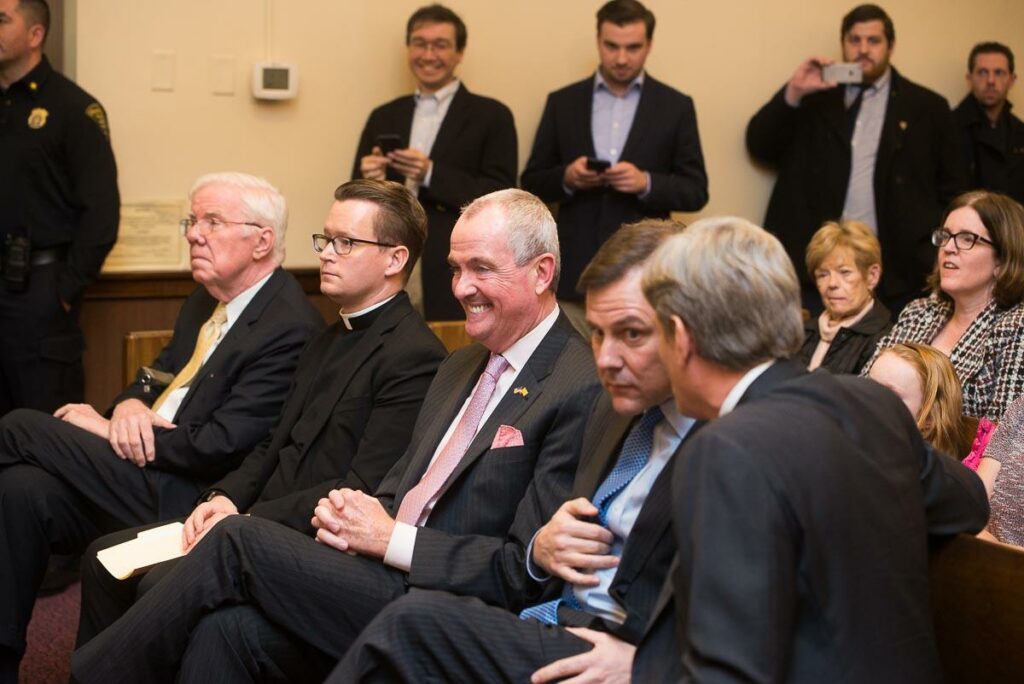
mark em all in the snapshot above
pixel 964 240
pixel 208 224
pixel 342 245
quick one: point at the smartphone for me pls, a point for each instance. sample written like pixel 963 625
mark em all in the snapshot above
pixel 844 72
pixel 599 165
pixel 388 142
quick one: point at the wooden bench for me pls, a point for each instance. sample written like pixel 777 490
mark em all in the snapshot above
pixel 141 347
pixel 977 595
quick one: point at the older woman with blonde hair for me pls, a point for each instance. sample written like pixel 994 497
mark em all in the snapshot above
pixel 845 261
pixel 975 313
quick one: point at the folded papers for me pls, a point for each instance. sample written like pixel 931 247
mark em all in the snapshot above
pixel 138 555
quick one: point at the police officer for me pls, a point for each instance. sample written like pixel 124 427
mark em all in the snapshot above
pixel 59 209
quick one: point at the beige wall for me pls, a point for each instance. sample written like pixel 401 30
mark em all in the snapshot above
pixel 730 55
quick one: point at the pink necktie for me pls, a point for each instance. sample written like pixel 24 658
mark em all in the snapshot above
pixel 417 498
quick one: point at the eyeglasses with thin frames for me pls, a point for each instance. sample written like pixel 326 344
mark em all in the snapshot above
pixel 209 224
pixel 342 244
pixel 964 240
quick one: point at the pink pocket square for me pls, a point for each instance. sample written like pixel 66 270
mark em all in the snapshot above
pixel 507 436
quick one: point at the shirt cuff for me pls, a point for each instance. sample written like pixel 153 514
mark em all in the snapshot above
pixel 532 569
pixel 647 191
pixel 401 546
pixel 430 174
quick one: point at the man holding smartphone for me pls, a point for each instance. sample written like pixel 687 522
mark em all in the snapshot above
pixel 882 151
pixel 447 144
pixel 615 147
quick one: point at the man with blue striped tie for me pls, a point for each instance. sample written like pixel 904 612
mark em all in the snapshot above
pixel 605 553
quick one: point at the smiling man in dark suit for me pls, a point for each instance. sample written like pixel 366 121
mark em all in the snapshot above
pixel 491 458
pixel 447 144
pixel 606 552
pixel 644 132
pixel 356 393
pixel 801 512
pixel 65 480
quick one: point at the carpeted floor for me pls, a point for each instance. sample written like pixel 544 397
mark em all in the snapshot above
pixel 51 638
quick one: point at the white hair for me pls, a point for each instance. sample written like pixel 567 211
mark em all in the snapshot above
pixel 529 225
pixel 263 203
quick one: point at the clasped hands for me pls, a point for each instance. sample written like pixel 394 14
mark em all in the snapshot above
pixel 354 522
pixel 129 430
pixel 409 162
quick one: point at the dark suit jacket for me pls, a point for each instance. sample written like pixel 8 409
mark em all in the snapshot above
pixel 662 141
pixel 475 153
pixel 238 392
pixel 346 420
pixel 649 549
pixel 992 163
pixel 917 172
pixel 802 522
pixel 475 540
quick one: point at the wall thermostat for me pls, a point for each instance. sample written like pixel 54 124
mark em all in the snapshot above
pixel 275 81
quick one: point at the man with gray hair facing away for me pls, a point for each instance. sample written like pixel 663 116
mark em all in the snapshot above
pixel 802 510
pixel 210 396
pixel 492 456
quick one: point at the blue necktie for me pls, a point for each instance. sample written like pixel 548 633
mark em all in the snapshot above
pixel 636 450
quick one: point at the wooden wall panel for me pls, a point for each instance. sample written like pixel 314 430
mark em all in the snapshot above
pixel 118 304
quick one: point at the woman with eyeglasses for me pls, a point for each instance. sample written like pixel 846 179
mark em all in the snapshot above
pixel 974 313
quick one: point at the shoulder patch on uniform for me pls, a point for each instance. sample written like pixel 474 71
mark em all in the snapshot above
pixel 37 117
pixel 96 113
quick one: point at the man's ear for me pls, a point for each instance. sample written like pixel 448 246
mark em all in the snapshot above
pixel 544 271
pixel 265 240
pixel 397 261
pixel 682 343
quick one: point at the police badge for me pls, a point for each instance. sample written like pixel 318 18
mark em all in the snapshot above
pixel 37 117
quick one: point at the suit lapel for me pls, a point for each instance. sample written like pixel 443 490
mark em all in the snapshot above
pixel 834 113
pixel 238 332
pixel 582 106
pixel 514 404
pixel 458 386
pixel 645 119
pixel 606 452
pixel 454 121
pixel 894 126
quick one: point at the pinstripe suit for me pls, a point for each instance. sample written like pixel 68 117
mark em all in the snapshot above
pixel 474 541
pixel 413 639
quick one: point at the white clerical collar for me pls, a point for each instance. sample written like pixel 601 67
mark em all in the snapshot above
pixel 346 318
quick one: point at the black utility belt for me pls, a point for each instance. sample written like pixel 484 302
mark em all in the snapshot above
pixel 18 258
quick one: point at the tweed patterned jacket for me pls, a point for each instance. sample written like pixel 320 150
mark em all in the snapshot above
pixel 988 358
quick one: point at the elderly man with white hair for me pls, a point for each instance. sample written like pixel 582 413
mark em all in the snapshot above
pixel 802 510
pixel 209 397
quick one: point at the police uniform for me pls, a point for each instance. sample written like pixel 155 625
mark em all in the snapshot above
pixel 58 195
